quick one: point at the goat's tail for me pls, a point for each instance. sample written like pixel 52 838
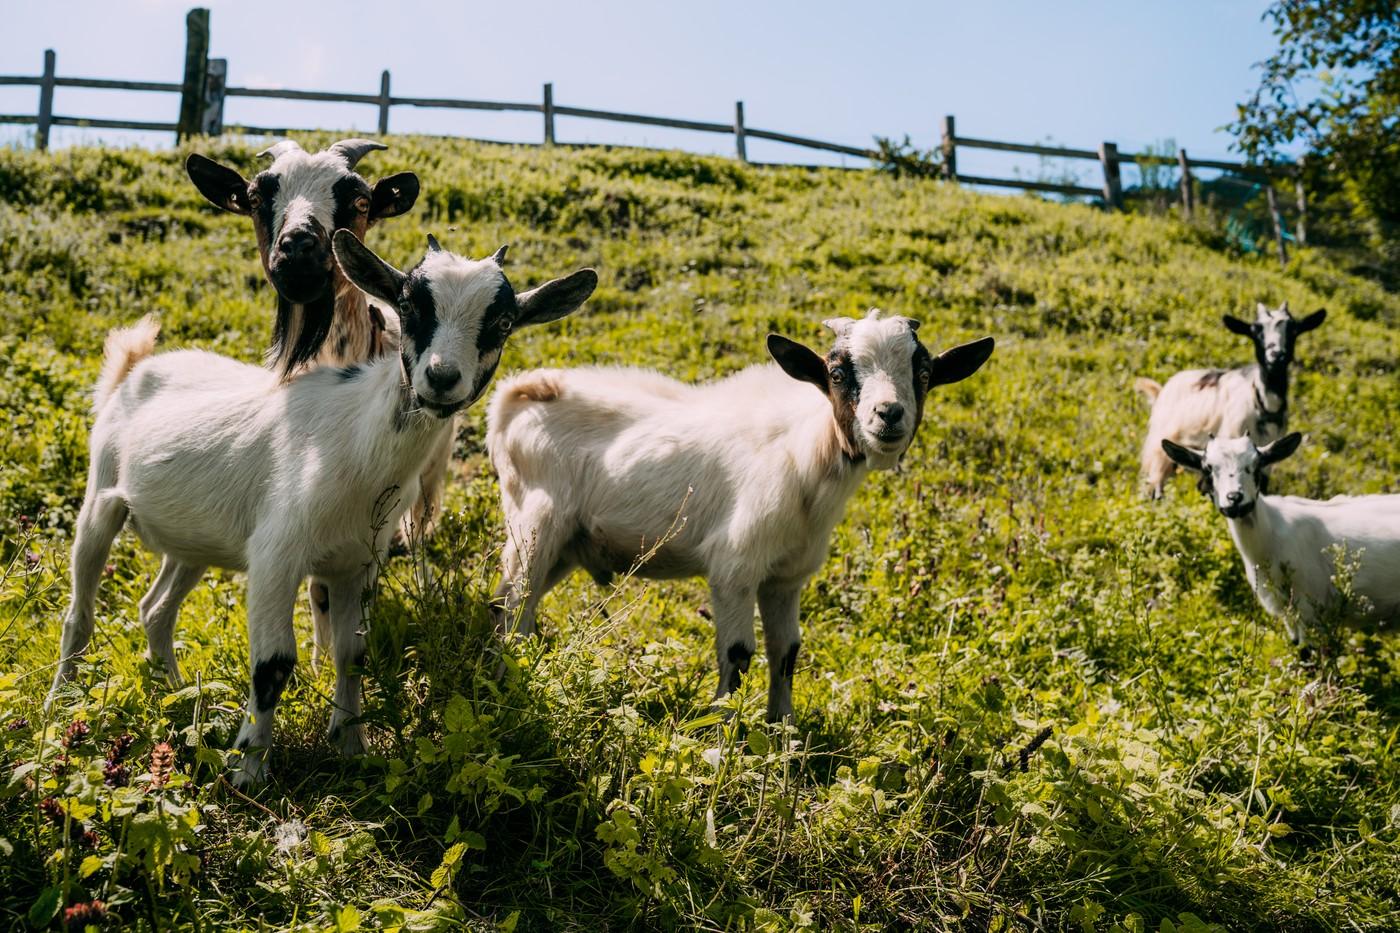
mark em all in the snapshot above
pixel 125 347
pixel 1149 388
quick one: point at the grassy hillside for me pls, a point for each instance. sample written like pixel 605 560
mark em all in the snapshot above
pixel 1007 581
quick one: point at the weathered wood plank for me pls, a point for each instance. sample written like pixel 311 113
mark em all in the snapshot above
pixel 384 103
pixel 1028 148
pixel 45 118
pixel 196 68
pixel 1046 186
pixel 645 120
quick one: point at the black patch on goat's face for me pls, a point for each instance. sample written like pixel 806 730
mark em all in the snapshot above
pixel 923 377
pixel 270 678
pixel 843 388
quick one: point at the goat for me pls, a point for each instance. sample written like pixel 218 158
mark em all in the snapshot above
pixel 1251 400
pixel 296 203
pixel 1291 546
pixel 219 463
pixel 741 480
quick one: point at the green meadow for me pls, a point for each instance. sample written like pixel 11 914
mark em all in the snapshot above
pixel 1027 697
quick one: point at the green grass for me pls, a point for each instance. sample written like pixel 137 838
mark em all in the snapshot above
pixel 1006 581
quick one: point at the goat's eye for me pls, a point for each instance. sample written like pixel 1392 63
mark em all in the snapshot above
pixel 505 325
pixel 837 377
pixel 923 377
pixel 362 204
pixel 254 199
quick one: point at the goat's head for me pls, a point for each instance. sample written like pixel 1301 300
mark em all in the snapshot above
pixel 456 314
pixel 1274 332
pixel 877 376
pixel 298 201
pixel 1230 468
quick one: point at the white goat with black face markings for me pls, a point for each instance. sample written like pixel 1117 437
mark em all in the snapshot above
pixel 1290 544
pixel 218 463
pixel 740 481
pixel 1252 401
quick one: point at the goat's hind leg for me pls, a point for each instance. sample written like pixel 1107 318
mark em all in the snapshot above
pixel 347 645
pixel 99 522
pixel 160 610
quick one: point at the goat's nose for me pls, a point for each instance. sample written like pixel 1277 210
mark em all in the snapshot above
pixel 443 376
pixel 1235 498
pixel 890 412
pixel 297 244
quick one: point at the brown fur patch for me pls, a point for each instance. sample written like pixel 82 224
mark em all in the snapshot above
pixel 1210 380
pixel 535 387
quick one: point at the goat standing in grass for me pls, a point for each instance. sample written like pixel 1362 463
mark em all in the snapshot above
pixel 1291 546
pixel 741 481
pixel 219 463
pixel 1252 401
pixel 296 204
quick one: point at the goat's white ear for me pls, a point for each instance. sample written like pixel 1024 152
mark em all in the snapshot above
pixel 277 149
pixel 1279 449
pixel 365 270
pixel 1182 456
pixel 555 299
pixel 841 325
pixel 798 361
pixel 221 185
pixel 499 256
pixel 393 196
pixel 957 363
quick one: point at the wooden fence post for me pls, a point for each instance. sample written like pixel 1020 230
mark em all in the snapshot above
pixel 740 138
pixel 211 120
pixel 1301 195
pixel 950 149
pixel 1188 188
pixel 45 119
pixel 1112 180
pixel 549 114
pixel 1278 222
pixel 384 103
pixel 196 67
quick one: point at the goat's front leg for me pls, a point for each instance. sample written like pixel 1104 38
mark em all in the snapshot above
pixel 318 596
pixel 782 638
pixel 347 645
pixel 272 651
pixel 734 639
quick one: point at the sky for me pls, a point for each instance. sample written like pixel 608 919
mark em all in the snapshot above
pixel 1073 73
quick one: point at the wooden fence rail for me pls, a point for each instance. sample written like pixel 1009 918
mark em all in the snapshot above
pixel 204 90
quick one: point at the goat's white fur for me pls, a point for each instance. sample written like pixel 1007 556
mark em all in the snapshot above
pixel 741 481
pixel 1291 546
pixel 218 463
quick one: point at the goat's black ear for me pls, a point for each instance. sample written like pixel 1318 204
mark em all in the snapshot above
pixel 1182 456
pixel 365 270
pixel 1279 449
pixel 957 363
pixel 221 185
pixel 1312 321
pixel 393 196
pixel 555 299
pixel 798 361
pixel 1236 326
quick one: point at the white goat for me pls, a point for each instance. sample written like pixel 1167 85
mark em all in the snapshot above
pixel 740 481
pixel 1291 546
pixel 1252 400
pixel 218 463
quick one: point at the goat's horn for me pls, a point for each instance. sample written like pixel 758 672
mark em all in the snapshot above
pixel 277 149
pixel 499 256
pixel 433 245
pixel 356 149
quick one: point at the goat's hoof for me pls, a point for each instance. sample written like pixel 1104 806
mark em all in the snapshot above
pixel 349 740
pixel 250 771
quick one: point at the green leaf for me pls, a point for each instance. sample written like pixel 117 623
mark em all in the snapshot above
pixel 45 907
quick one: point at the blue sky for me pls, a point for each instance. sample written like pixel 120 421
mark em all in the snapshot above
pixel 1074 72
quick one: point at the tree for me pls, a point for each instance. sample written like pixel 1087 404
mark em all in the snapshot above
pixel 1334 85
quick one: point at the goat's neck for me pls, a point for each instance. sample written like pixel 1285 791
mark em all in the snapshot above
pixel 831 475
pixel 392 423
pixel 1271 388
pixel 1254 534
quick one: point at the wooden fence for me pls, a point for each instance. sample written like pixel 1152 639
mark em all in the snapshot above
pixel 204 89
